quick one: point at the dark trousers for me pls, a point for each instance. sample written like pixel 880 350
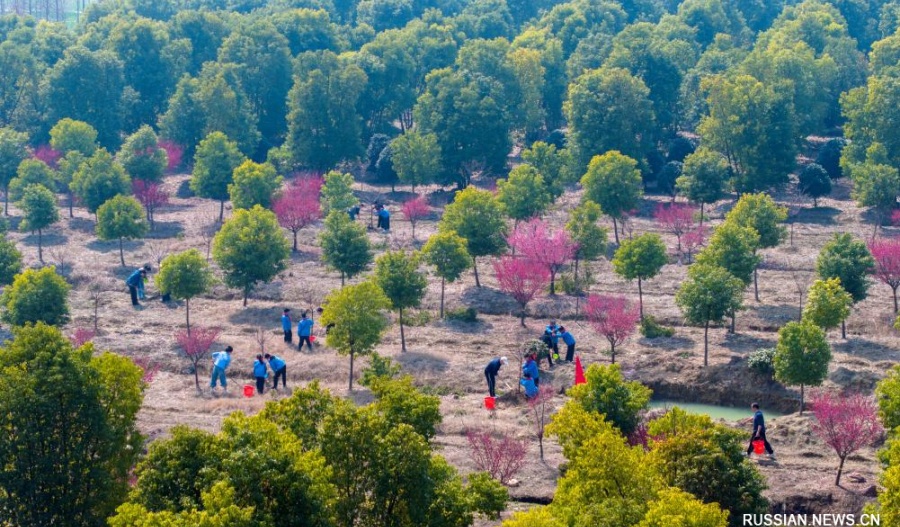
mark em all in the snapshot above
pixel 283 374
pixel 304 338
pixel 762 435
pixel 260 385
pixel 570 352
pixel 492 383
pixel 134 299
pixel 288 336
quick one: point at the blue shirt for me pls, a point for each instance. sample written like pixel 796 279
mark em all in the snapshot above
pixel 221 359
pixel 493 367
pixel 259 369
pixel 286 322
pixel 759 422
pixel 550 332
pixel 530 389
pixel 384 213
pixel 304 327
pixel 531 368
pixel 134 279
pixel 568 338
pixel 276 363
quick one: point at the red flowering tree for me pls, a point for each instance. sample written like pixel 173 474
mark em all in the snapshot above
pixel 887 263
pixel 151 195
pixel 846 423
pixel 533 240
pixel 298 206
pixel 48 155
pixel 196 346
pixel 693 239
pixel 501 457
pixel 522 279
pixel 80 336
pixel 174 153
pixel 541 406
pixel 613 317
pixel 676 219
pixel 414 210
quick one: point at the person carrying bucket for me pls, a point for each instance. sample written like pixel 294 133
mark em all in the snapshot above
pixel 490 373
pixel 221 360
pixel 759 432
pixel 260 373
pixel 279 367
pixel 304 330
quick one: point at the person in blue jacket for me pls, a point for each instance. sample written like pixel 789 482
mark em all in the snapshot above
pixel 530 388
pixel 286 325
pixel 490 373
pixel 279 367
pixel 551 339
pixel 134 281
pixel 384 218
pixel 221 360
pixel 260 373
pixel 570 343
pixel 530 368
pixel 304 330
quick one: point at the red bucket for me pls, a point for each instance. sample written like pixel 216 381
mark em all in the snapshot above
pixel 248 390
pixel 759 447
pixel 489 402
pixel 312 338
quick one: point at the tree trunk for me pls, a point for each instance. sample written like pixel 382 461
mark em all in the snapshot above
pixel 616 230
pixel 402 334
pixel 413 228
pixel 475 268
pixel 541 445
pixel 552 282
pixel 221 210
pixel 96 310
pixel 295 241
pixel 895 300
pixel 246 293
pixel 755 286
pixel 71 204
pixel 640 300
pixel 701 215
pixel 733 316
pixel 575 278
pixel 442 298
pixel 121 252
pixel 6 200
pixel 41 259
pixel 792 232
pixel 187 314
pixel 706 344
pixel 342 278
pixel 843 329
pixel 801 399
pixel 196 376
pixel 351 370
pixel 837 480
pixel 522 317
pixel 612 352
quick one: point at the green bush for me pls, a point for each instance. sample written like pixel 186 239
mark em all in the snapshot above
pixel 417 318
pixel 379 368
pixel 569 286
pixel 760 361
pixel 652 329
pixel 36 295
pixel 463 314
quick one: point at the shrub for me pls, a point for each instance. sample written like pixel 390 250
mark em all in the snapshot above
pixel 417 318
pixel 379 368
pixel 760 361
pixel 36 295
pixel 652 329
pixel 463 314
pixel 502 457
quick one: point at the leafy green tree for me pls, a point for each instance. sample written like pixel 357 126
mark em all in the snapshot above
pixel 68 167
pixel 10 261
pixel 707 296
pixel 359 318
pixel 523 194
pixel 589 238
pixel 218 510
pixel 613 182
pixel 814 182
pixel 36 295
pixel 253 184
pixel 80 430
pixel 640 258
pixel 345 245
pixel 214 163
pixel 250 247
pixel 402 403
pixel 397 274
pixel 477 217
pixel 609 394
pixel 13 150
pixel 849 261
pixel 762 214
pixel 69 135
pixel 121 218
pixel 553 164
pixel 416 158
pixel 39 211
pixel 677 507
pixel 98 180
pixel 829 157
pixel 827 304
pixel 733 248
pixel 31 172
pixel 337 192
pixel 446 251
pixel 869 116
pixel 801 356
pixel 876 186
pixel 887 393
pixel 185 275
pixel 142 157
pixel 704 178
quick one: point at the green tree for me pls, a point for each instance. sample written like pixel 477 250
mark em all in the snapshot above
pixel 253 184
pixel 640 258
pixel 813 181
pixel 121 218
pixel 250 247
pixel 477 217
pixel 801 356
pixel 523 193
pixel 588 237
pixel 218 505
pixel 707 296
pixel 39 211
pixel 762 214
pixel 337 192
pixel 31 172
pixel 214 163
pixel 13 150
pixel 416 158
pixel 397 274
pixel 676 508
pixel 69 135
pixel 36 295
pixel 733 248
pixel 609 394
pixel 183 276
pixel 10 261
pixel 142 157
pixel 887 393
pixel 68 167
pixel 345 245
pixel 80 430
pixel 402 403
pixel 850 261
pixel 613 182
pixel 359 318
pixel 98 180
pixel 877 186
pixel 446 251
pixel 704 178
pixel 554 165
pixel 827 304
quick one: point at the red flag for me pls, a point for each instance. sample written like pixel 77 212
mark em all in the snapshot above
pixel 579 372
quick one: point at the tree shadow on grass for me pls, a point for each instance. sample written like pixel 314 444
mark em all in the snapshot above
pixel 866 349
pixel 467 328
pixel 47 240
pixel 256 316
pixel 165 229
pixel 774 317
pixel 418 362
pixel 670 343
pixel 82 224
pixel 818 215
pixel 112 246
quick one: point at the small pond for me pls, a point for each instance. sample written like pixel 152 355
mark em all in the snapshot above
pixel 729 413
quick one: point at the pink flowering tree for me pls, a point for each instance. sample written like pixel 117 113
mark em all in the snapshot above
pixel 48 155
pixel 522 279
pixel 613 317
pixel 500 456
pixel 886 253
pixel 150 368
pixel 298 206
pixel 541 406
pixel 676 219
pixel 151 195
pixel 81 336
pixel 414 210
pixel 196 346
pixel 533 240
pixel 693 240
pixel 174 153
pixel 846 423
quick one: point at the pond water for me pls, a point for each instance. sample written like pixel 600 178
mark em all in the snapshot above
pixel 729 413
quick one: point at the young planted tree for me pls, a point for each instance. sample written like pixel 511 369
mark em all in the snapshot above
pixel 502 457
pixel 523 194
pixel 142 157
pixel 98 180
pixel 640 258
pixel 414 210
pixel 522 279
pixel 38 206
pixel 676 219
pixel 67 168
pixel 541 408
pixel 704 178
pixel 589 238
pixel 214 164
pixel 801 356
pixel 607 395
pixel 552 164
pixel 121 218
pixel 345 245
pixel 69 135
pixel 298 205
pixel 612 317
pixel 827 304
pixel 814 182
pixel 249 248
pixel 13 150
pixel 195 345
pixel 886 253
pixel 10 261
pixel 359 318
pixel 477 217
pixel 846 423
pixel 732 248
pixel 31 172
pixel 707 296
pixel 151 195
pixel 534 241
pixel 397 274
pixel 416 158
pixel 876 186
pixel 850 261
pixel 337 192
pixel 760 213
pixel 446 251
pixel 183 276
pixel 613 182
pixel 253 184
pixel 36 295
